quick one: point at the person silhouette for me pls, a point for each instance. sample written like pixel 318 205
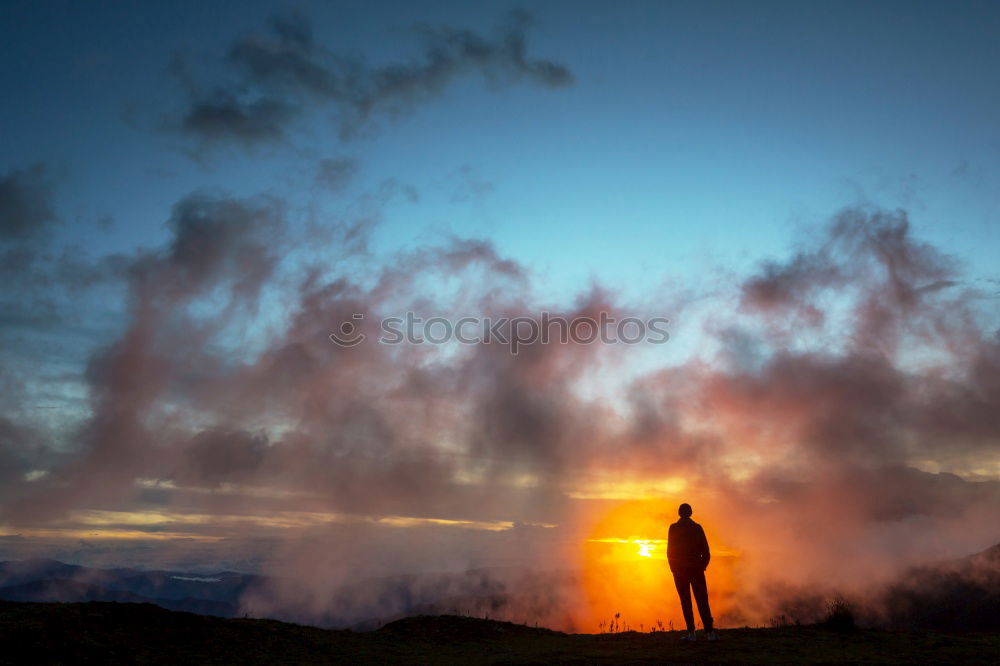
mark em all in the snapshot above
pixel 688 556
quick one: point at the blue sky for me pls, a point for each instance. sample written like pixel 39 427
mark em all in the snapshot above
pixel 693 132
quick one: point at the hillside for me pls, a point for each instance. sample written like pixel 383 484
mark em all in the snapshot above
pixel 102 632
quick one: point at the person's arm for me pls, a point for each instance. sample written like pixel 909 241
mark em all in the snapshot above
pixel 671 544
pixel 705 552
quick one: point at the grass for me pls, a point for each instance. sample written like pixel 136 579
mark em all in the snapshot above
pixel 142 633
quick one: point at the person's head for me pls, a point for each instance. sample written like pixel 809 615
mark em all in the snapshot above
pixel 684 510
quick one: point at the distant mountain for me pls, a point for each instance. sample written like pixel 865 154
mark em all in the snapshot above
pixel 24 571
pixel 49 580
pixel 955 595
pixel 366 604
pixel 65 590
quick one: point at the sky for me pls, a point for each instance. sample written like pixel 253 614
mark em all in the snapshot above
pixel 193 196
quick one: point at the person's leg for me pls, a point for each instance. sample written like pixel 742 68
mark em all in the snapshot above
pixel 684 592
pixel 700 589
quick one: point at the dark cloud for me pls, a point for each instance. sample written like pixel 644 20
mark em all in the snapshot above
pixel 286 57
pixel 336 173
pixel 221 455
pixel 282 70
pixel 391 188
pixel 26 207
pixel 15 448
pixel 216 242
pixel 37 271
pixel 862 248
pixel 42 278
pixel 24 450
pixel 222 116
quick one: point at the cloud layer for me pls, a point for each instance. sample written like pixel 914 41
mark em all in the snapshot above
pixel 279 72
pixel 843 381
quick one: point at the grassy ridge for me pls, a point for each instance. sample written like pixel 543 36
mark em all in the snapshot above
pixel 142 633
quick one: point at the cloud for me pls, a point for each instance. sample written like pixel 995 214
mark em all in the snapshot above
pixel 215 240
pixel 15 448
pixel 33 264
pixel 222 250
pixel 218 455
pixel 469 186
pixel 831 458
pixel 335 173
pixel 283 70
pixel 26 207
pixel 43 279
pixel 221 115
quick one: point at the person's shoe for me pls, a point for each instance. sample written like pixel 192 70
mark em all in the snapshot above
pixel 712 636
pixel 689 636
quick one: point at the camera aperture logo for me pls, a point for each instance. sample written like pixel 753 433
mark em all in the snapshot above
pixel 513 332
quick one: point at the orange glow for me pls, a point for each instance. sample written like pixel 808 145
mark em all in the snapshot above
pixel 625 569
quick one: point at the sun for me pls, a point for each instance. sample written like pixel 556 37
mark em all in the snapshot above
pixel 625 569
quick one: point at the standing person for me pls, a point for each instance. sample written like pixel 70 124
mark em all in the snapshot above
pixel 688 555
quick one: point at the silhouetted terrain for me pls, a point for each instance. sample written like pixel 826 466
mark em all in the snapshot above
pixel 142 633
pixel 960 595
pixel 955 595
